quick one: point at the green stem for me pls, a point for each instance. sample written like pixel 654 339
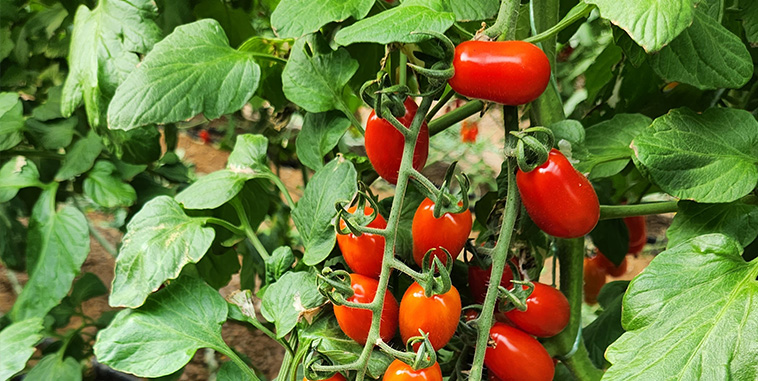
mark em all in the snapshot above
pixel 228 352
pixel 440 124
pixel 608 212
pixel 225 224
pixel 507 18
pixel 248 229
pixel 403 78
pixel 282 188
pixel 579 12
pixel 440 104
pixel 268 57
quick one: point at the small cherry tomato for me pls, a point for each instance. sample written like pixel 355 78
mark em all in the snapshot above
pixel 336 377
pixel 469 130
pixel 508 72
pixel 450 232
pixel 437 316
pixel 610 268
pixel 400 371
pixel 514 355
pixel 470 314
pixel 547 312
pixel 479 280
pixel 594 278
pixel 559 199
pixel 205 136
pixel 384 143
pixel 356 322
pixel 637 233
pixel 363 254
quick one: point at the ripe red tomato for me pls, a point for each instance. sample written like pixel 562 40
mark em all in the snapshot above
pixel 400 371
pixel 479 280
pixel 514 355
pixel 384 143
pixel 450 231
pixel 594 278
pixel 356 322
pixel 610 268
pixel 508 72
pixel 363 254
pixel 336 377
pixel 637 233
pixel 469 130
pixel 559 199
pixel 438 315
pixel 205 136
pixel 547 312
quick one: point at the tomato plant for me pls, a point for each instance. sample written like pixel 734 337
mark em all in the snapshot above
pixel 436 315
pixel 363 253
pixel 400 371
pixel 449 232
pixel 514 355
pixel 595 270
pixel 356 322
pixel 479 279
pixel 546 314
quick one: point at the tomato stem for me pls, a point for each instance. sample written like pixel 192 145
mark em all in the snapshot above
pixel 577 13
pixel 507 18
pixel 608 212
pixel 440 124
pixel 440 104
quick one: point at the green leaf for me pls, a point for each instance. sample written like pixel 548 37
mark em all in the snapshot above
pixel 600 73
pixel 57 245
pixel 136 146
pixel 159 241
pixel 737 220
pixel 315 76
pixel 105 47
pixel 708 157
pixel 320 134
pixel 86 288
pixel 235 22
pixel 294 295
pixel 217 269
pixel 81 157
pixel 11 121
pixel 249 153
pixel 54 367
pixel 17 173
pixel 213 190
pixel 396 25
pixel 750 21
pixel 160 337
pixel 17 343
pixel 105 187
pixel 52 135
pixel 6 42
pixel 693 310
pixel 51 109
pixel 471 10
pixel 651 23
pixel 569 130
pixel 280 261
pixel 607 145
pixel 12 239
pixel 633 52
pixel 295 18
pixel 229 371
pixel 192 71
pixel 706 55
pixel 606 328
pixel 612 239
pixel 315 212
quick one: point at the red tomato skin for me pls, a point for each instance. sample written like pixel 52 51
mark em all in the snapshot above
pixel 450 231
pixel 336 377
pixel 400 371
pixel 610 268
pixel 508 72
pixel 594 278
pixel 438 315
pixel 479 280
pixel 469 130
pixel 363 254
pixel 637 233
pixel 547 312
pixel 516 356
pixel 559 199
pixel 356 322
pixel 384 143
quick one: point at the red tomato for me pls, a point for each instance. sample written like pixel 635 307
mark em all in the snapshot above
pixel 479 280
pixel 336 377
pixel 400 371
pixel 450 231
pixel 205 136
pixel 559 199
pixel 514 355
pixel 364 254
pixel 594 278
pixel 508 72
pixel 637 233
pixel 438 315
pixel 356 322
pixel 610 268
pixel 470 314
pixel 384 143
pixel 469 130
pixel 547 312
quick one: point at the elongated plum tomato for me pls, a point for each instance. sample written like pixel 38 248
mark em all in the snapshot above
pixel 450 231
pixel 336 377
pixel 363 254
pixel 559 199
pixel 400 371
pixel 637 233
pixel 437 315
pixel 384 143
pixel 546 315
pixel 516 356
pixel 479 280
pixel 594 278
pixel 356 322
pixel 508 72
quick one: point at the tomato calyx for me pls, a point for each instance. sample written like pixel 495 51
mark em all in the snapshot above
pixel 515 298
pixel 314 359
pixel 336 286
pixel 356 222
pixel 532 147
pixel 423 357
pixel 445 199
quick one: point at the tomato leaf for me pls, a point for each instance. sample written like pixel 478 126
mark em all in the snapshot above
pixel 57 245
pixel 693 310
pixel 652 23
pixel 105 187
pixel 55 367
pixel 17 343
pixel 234 21
pixel 706 55
pixel 315 212
pixel 321 132
pixel 11 121
pixel 192 71
pixel 600 73
pixel 17 173
pixel 607 145
pixel 612 239
pixel 153 340
pixel 12 239
pixel 470 10
pixel 708 157
pixel 159 241
pixel 606 328
pixel 217 269
pixel 81 157
pixel 737 220
pixel 293 296
pixel 295 18
pixel 54 134
pixel 87 287
pixel 280 261
pixel 396 25
pixel 749 16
